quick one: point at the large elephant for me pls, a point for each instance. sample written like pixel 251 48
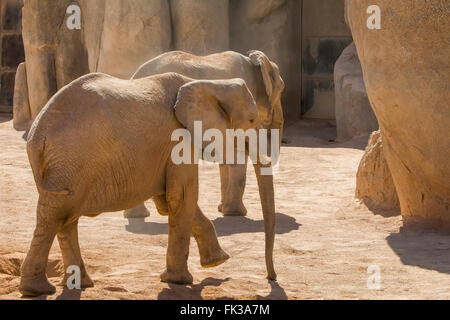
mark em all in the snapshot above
pixel 263 79
pixel 104 144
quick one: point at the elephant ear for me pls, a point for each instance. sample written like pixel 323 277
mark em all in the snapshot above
pixel 258 58
pixel 203 100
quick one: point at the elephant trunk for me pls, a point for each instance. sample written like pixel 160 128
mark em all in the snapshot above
pixel 266 193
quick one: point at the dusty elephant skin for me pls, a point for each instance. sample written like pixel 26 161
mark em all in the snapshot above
pixel 102 144
pixel 263 79
pixel 407 71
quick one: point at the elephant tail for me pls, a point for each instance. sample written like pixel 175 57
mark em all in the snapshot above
pixel 35 150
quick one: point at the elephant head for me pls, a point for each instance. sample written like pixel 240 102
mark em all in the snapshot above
pixel 228 104
pixel 273 84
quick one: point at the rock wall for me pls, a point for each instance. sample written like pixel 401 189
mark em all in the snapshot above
pixel 272 27
pixel 407 72
pixel 11 50
pixel 120 35
pixel 200 26
pixel 117 36
pixel 354 115
pixel 374 184
pixel 54 54
pixel 324 36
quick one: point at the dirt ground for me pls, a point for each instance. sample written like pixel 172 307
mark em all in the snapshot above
pixel 325 241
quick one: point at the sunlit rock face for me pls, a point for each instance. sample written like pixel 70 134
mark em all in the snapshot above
pixel 117 36
pixel 406 69
pixel 54 54
pixel 374 185
pixel 120 35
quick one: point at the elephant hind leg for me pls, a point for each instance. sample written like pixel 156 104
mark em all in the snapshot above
pixel 34 280
pixel 70 248
pixel 140 211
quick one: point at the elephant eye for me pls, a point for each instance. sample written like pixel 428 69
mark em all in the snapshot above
pixel 252 120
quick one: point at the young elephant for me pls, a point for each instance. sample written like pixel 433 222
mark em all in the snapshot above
pixel 102 144
pixel 263 79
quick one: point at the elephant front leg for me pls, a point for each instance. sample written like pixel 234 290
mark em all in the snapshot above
pixel 233 179
pixel 211 254
pixel 68 242
pixel 34 280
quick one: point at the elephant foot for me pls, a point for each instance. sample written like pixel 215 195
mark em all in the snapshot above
pixel 137 212
pixel 177 277
pixel 233 210
pixel 33 287
pixel 86 281
pixel 214 260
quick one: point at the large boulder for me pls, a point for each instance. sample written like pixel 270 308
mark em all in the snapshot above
pixel 54 54
pixel 354 115
pixel 407 71
pixel 21 105
pixel 272 27
pixel 374 184
pixel 125 34
pixel 200 26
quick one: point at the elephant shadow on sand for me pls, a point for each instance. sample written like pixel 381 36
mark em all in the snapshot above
pixel 225 226
pixel 194 291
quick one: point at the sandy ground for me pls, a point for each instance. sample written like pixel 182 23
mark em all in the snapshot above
pixel 325 240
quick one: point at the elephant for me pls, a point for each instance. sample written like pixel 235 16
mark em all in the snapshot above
pixel 102 144
pixel 263 79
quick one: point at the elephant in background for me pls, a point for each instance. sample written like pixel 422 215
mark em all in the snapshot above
pixel 263 79
pixel 103 144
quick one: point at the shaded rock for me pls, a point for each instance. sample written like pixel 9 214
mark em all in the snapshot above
pixel 21 111
pixel 407 72
pixel 374 184
pixel 354 115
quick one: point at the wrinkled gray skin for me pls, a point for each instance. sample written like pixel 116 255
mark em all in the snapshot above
pixel 264 82
pixel 102 144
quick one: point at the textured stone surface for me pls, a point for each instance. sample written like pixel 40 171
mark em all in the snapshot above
pixel 200 26
pixel 407 72
pixel 354 115
pixel 22 115
pixel 6 91
pixel 374 184
pixel 12 50
pixel 271 26
pixel 54 55
pixel 133 32
pixel 11 15
pixel 324 37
